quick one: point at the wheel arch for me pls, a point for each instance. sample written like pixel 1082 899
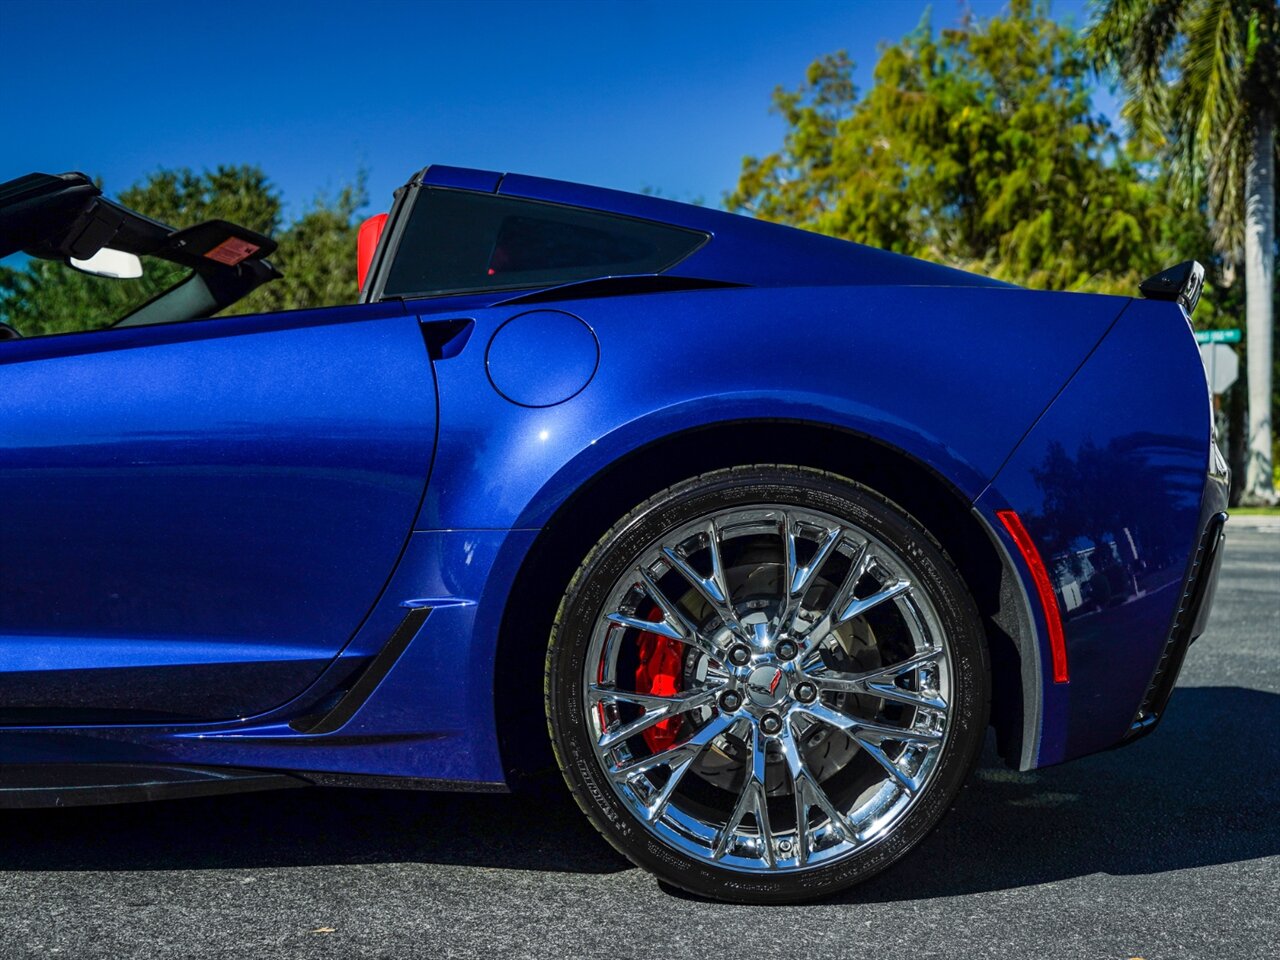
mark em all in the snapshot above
pixel 584 516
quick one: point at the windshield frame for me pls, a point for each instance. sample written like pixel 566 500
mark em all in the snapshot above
pixel 65 217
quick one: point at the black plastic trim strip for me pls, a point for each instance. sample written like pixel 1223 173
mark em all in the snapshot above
pixel 364 781
pixel 388 243
pixel 367 681
pixel 35 785
pixel 622 286
pixel 1197 590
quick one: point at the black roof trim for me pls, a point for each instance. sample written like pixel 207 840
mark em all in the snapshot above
pixel 618 287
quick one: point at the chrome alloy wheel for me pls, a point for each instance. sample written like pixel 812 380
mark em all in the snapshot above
pixel 810 705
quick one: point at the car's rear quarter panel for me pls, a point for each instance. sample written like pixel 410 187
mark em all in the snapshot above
pixel 1114 470
pixel 952 377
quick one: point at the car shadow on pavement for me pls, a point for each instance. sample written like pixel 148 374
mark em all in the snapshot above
pixel 543 830
pixel 1203 789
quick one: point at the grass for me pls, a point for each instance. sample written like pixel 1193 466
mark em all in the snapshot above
pixel 1254 511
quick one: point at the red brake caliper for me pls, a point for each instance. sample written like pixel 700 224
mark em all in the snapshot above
pixel 659 673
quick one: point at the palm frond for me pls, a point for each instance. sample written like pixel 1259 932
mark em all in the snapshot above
pixel 1135 36
pixel 1208 125
pixel 1136 40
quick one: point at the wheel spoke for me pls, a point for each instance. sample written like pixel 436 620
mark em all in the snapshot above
pixel 761 805
pixel 809 793
pixel 674 625
pixel 871 737
pixel 802 577
pixel 858 566
pixel 869 731
pixel 818 798
pixel 714 589
pixel 660 627
pixel 656 709
pixel 789 562
pixel 670 612
pixel 876 752
pixel 691 749
pixel 799 795
pixel 659 803
pixel 754 800
pixel 799 579
pixel 882 682
pixel 857 607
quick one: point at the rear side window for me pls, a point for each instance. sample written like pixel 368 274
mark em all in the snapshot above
pixel 460 242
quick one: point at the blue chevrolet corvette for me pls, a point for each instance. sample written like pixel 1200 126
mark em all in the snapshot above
pixel 753 532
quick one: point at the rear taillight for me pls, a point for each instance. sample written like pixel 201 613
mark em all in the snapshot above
pixel 366 243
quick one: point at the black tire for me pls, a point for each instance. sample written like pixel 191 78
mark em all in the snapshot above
pixel 741 487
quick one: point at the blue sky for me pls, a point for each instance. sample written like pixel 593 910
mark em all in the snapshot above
pixel 622 93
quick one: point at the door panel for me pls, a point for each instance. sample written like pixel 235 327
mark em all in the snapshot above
pixel 197 517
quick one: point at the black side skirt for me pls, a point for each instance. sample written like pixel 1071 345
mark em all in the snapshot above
pixel 86 784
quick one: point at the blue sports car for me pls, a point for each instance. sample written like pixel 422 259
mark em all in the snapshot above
pixel 754 533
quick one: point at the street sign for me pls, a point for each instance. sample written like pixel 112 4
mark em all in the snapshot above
pixel 1217 336
pixel 1221 364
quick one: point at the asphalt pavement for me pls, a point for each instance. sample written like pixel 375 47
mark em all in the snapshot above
pixel 1169 848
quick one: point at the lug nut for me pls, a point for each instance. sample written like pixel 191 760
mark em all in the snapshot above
pixel 787 650
pixel 770 724
pixel 730 701
pixel 806 692
pixel 739 656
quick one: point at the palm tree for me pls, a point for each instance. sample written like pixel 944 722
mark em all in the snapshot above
pixel 1203 81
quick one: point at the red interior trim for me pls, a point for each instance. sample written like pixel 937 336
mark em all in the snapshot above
pixel 366 243
pixel 1048 599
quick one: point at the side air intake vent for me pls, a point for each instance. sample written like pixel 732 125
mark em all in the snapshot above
pixel 367 681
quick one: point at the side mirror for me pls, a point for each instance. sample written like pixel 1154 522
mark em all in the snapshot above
pixel 110 263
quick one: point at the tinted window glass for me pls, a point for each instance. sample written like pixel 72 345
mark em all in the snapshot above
pixel 457 241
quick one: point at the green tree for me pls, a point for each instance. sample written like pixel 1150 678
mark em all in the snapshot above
pixel 1203 80
pixel 316 252
pixel 182 197
pixel 977 147
pixel 317 255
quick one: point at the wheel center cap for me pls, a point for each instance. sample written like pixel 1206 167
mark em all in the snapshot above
pixel 766 686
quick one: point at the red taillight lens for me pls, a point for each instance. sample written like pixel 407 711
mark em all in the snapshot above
pixel 367 242
pixel 1044 587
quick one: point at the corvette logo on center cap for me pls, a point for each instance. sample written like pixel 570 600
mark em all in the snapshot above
pixel 762 685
